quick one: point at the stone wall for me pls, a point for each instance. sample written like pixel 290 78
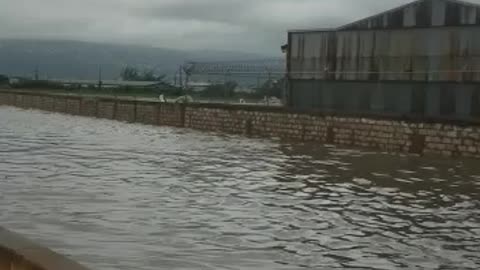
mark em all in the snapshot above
pixel 398 136
pixel 18 253
pixel 147 113
pixel 126 110
pixel 418 136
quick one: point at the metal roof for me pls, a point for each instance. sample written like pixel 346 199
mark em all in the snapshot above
pixel 467 14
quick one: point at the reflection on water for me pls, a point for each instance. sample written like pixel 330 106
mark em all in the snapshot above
pixel 122 196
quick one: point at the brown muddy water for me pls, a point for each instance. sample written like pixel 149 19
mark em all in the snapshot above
pixel 113 195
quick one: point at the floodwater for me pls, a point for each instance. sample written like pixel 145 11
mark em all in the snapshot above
pixel 114 195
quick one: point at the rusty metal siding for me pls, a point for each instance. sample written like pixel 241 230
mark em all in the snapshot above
pixel 439 9
pixel 468 15
pixel 311 52
pixel 416 54
pixel 423 13
pixel 410 16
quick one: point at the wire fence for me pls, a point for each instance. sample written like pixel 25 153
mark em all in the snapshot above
pixel 438 93
pixel 252 89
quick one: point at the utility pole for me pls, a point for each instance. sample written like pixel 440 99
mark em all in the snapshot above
pixel 225 94
pixel 99 77
pixel 36 73
pixel 180 74
pixel 187 80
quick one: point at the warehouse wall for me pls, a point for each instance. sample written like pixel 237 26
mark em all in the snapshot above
pixel 447 54
pixel 434 100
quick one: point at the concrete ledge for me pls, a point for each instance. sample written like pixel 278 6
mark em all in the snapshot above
pixel 19 253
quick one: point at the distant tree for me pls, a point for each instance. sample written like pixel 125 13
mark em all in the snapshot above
pixel 148 75
pixel 132 74
pixel 3 79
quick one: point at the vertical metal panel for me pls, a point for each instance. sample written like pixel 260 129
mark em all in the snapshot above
pixel 301 95
pixel 367 50
pixel 475 104
pixel 432 100
pixel 438 13
pixel 327 96
pixel 463 99
pixel 316 51
pixel 468 15
pixel 418 54
pixel 455 101
pixel 317 87
pixel 385 20
pixel 295 56
pixel 436 54
pixel 447 100
pixel 377 99
pixel 346 49
pixel 397 98
pixel 418 99
pixel 410 16
pixel 309 54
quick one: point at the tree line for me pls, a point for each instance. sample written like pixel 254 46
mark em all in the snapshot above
pixel 270 88
pixel 133 74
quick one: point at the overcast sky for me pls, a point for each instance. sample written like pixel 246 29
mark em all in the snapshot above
pixel 241 25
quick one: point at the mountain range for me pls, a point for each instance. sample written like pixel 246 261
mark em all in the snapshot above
pixel 82 60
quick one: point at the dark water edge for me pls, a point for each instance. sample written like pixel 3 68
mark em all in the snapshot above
pixel 125 196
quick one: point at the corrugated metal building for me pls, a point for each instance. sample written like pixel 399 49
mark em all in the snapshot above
pixel 422 58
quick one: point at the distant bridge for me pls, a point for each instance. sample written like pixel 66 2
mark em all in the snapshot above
pixel 250 67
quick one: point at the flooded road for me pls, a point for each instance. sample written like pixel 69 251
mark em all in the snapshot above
pixel 125 196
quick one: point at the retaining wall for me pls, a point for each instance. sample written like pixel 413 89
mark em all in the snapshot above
pixel 393 134
pixel 18 253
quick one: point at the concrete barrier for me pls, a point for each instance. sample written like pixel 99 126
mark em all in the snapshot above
pixel 19 253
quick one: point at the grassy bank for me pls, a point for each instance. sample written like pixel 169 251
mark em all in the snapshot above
pixel 138 94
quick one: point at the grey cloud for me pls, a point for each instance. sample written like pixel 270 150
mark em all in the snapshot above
pixel 205 10
pixel 243 25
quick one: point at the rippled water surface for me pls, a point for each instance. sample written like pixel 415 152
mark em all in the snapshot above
pixel 123 196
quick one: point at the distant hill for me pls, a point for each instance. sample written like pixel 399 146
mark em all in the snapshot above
pixel 81 60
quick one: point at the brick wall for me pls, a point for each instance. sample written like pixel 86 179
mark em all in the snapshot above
pixel 147 113
pixel 125 111
pixel 88 107
pixel 106 109
pixel 47 103
pixel 392 135
pixel 388 135
pixel 171 114
pixel 73 106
